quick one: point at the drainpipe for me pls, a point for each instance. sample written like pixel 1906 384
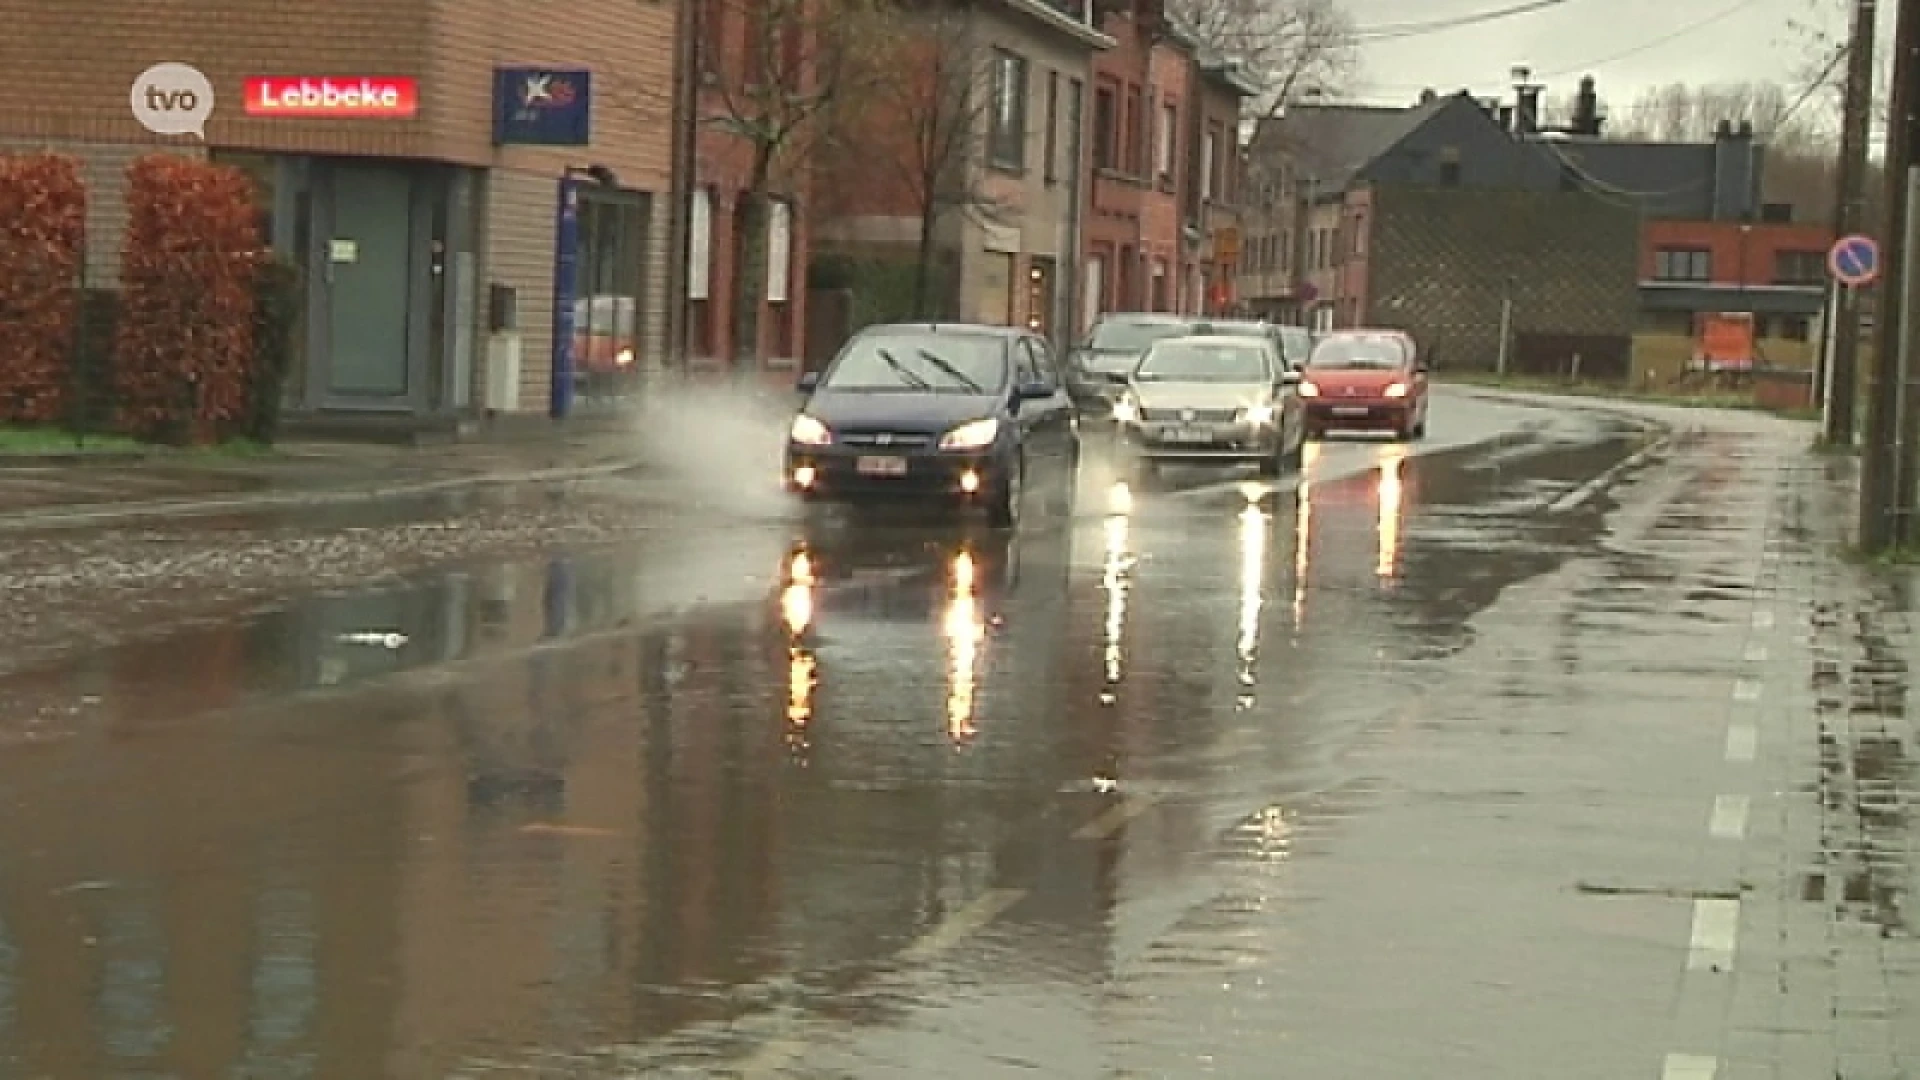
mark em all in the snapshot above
pixel 1067 268
pixel 688 30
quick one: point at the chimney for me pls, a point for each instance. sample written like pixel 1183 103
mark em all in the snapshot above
pixel 1428 96
pixel 1526 111
pixel 1736 172
pixel 1505 116
pixel 1586 110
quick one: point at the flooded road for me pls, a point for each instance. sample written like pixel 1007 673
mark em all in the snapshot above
pixel 1209 775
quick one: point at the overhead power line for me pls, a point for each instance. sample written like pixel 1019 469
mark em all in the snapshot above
pixel 1651 44
pixel 1399 31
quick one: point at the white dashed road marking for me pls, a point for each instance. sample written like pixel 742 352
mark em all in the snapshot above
pixel 1729 820
pixel 1716 931
pixel 959 925
pixel 1689 1067
pixel 1756 653
pixel 1114 819
pixel 1746 690
pixel 1763 620
pixel 1743 742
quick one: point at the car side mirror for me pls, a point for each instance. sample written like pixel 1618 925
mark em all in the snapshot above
pixel 1033 391
pixel 809 382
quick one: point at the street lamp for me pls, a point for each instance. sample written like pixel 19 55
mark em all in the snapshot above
pixel 566 274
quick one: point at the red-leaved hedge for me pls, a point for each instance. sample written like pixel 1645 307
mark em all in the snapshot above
pixel 43 228
pixel 183 347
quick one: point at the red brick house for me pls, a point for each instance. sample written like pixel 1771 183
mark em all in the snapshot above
pixel 737 44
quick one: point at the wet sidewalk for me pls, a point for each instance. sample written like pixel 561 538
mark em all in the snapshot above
pixel 45 494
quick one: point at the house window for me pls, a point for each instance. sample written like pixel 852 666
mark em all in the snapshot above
pixel 1053 128
pixel 1799 268
pixel 1105 129
pixel 1007 139
pixel 1075 129
pixel 1131 154
pixel 1164 144
pixel 1683 264
pixel 1209 177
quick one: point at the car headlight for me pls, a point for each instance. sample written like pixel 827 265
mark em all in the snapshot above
pixel 809 432
pixel 1126 410
pixel 972 435
pixel 1307 389
pixel 1258 415
pixel 1398 389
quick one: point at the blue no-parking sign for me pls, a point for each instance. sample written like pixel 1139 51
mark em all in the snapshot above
pixel 1854 260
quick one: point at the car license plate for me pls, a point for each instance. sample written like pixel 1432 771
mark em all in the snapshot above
pixel 881 466
pixel 1350 410
pixel 1189 435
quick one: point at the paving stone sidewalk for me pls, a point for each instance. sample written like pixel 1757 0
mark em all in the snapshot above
pixel 1827 983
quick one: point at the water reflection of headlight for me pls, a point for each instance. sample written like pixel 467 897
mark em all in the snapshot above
pixel 1113 581
pixel 796 607
pixel 1120 499
pixel 1392 498
pixel 1253 572
pixel 965 630
pixel 1303 531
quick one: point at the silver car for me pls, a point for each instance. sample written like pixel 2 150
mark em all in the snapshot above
pixel 1213 399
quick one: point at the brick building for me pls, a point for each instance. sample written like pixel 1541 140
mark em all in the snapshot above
pixel 1002 191
pixel 1212 185
pixel 739 44
pixel 1142 94
pixel 412 222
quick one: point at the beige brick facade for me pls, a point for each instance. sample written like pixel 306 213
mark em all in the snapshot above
pixel 71 67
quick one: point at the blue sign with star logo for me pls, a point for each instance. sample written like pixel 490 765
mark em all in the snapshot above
pixel 542 106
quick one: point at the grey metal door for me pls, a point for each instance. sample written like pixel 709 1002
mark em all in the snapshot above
pixel 369 260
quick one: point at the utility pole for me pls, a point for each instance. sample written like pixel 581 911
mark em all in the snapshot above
pixel 1850 211
pixel 1903 170
pixel 1881 458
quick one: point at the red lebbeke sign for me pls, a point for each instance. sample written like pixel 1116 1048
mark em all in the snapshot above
pixel 332 96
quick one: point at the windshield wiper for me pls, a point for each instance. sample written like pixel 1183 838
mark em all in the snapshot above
pixel 910 376
pixel 951 372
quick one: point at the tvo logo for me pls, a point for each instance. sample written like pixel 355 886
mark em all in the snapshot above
pixel 172 99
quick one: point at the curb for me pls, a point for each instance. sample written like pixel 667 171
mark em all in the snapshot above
pixel 78 517
pixel 75 457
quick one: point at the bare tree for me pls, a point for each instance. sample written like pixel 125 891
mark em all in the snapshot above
pixel 1823 34
pixel 1682 112
pixel 1286 46
pixel 919 129
pixel 800 57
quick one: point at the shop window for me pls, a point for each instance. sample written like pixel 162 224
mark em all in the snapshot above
pixel 607 328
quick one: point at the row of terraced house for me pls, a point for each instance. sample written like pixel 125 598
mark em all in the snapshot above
pixel 538 210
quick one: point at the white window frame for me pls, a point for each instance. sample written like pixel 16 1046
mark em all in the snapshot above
pixel 779 251
pixel 700 246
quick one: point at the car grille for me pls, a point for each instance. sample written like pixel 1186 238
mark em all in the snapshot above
pixel 887 440
pixel 1179 416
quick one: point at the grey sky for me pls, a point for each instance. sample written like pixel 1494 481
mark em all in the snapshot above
pixel 1755 41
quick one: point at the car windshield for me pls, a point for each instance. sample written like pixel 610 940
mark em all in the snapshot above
pixel 923 363
pixel 1357 354
pixel 1132 337
pixel 1204 361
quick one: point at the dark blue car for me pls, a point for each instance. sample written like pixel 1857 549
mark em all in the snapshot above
pixel 973 415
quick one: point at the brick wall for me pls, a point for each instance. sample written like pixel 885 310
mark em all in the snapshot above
pixel 1439 261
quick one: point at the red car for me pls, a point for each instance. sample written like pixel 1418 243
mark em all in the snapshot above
pixel 1365 380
